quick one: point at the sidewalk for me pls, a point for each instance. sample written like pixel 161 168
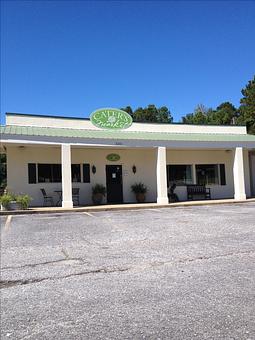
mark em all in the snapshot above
pixel 131 206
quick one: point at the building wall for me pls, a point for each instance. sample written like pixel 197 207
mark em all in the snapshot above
pixel 193 157
pixel 27 120
pixel 143 159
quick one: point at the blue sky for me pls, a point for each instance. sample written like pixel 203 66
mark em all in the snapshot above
pixel 72 57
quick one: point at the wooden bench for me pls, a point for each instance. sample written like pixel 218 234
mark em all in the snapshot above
pixel 198 190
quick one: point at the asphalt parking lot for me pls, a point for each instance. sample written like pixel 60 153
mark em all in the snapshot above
pixel 174 273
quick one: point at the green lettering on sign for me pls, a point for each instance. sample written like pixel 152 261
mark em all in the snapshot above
pixel 111 119
pixel 113 157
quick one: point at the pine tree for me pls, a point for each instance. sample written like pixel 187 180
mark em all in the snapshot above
pixel 247 107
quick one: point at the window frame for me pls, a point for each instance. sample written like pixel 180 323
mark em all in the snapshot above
pixel 52 178
pixel 216 178
pixel 80 174
pixel 186 182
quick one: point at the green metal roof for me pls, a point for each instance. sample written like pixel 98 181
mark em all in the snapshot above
pixel 123 134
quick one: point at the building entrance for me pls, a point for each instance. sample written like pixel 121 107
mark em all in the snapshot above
pixel 114 185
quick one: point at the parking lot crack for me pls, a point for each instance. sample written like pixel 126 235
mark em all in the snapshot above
pixel 78 260
pixel 11 283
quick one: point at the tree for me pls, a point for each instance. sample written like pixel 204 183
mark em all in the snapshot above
pixel 198 117
pixel 150 114
pixel 225 114
pixel 247 107
pixel 129 110
pixel 164 115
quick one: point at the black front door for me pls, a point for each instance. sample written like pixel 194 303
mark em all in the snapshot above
pixel 114 183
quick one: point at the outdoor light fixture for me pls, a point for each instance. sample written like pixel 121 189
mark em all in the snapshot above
pixel 134 169
pixel 94 169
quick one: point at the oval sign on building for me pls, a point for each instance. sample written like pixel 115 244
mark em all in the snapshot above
pixel 109 118
pixel 113 157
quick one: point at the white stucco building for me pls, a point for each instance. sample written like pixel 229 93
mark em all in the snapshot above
pixel 60 153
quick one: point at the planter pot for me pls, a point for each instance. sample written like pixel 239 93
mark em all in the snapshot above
pixel 13 205
pixel 3 208
pixel 97 198
pixel 140 198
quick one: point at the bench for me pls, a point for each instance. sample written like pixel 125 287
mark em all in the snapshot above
pixel 198 190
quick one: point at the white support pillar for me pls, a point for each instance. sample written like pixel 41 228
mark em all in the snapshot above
pixel 238 171
pixel 67 201
pixel 162 197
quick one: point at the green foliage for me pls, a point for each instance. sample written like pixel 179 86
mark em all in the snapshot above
pixel 226 113
pixel 247 107
pixel 23 200
pixel 150 114
pixel 129 110
pixel 99 189
pixel 139 188
pixel 6 199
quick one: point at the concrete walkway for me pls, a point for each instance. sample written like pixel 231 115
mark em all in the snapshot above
pixel 131 206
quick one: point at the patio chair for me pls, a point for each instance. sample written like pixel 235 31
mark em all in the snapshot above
pixel 75 196
pixel 47 199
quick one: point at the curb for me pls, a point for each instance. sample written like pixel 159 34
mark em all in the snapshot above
pixel 122 207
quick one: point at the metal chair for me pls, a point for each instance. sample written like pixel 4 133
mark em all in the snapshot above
pixel 75 196
pixel 46 198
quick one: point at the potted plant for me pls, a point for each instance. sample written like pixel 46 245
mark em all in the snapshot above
pixel 6 200
pixel 14 202
pixel 24 201
pixel 139 189
pixel 98 193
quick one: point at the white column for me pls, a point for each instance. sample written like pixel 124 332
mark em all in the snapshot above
pixel 238 171
pixel 67 201
pixel 161 176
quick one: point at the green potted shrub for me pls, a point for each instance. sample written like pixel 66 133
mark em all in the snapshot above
pixel 24 201
pixel 98 193
pixel 6 200
pixel 14 202
pixel 140 190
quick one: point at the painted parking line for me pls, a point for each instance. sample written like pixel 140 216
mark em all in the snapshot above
pixel 89 214
pixel 8 222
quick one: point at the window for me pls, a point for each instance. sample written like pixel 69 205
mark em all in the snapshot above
pixel 76 172
pixel 86 173
pixel 179 174
pixel 31 173
pixel 207 174
pixel 222 174
pixel 49 173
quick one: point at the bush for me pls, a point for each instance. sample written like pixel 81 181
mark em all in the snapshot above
pixel 139 188
pixel 6 199
pixel 23 200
